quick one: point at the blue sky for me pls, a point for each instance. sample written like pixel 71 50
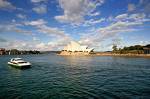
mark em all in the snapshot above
pixel 51 24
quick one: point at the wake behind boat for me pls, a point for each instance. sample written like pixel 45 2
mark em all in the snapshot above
pixel 19 63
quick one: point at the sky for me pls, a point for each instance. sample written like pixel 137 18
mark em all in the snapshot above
pixel 48 25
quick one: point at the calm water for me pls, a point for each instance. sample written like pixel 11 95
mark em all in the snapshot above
pixel 58 77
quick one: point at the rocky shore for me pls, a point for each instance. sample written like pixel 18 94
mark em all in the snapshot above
pixel 63 53
pixel 127 55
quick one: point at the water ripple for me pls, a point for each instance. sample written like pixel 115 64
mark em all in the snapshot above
pixel 58 77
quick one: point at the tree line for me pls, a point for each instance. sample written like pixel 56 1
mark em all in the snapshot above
pixel 19 52
pixel 136 49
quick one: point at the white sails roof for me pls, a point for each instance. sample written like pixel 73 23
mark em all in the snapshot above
pixel 75 46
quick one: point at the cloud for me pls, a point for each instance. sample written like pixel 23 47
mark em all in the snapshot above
pixel 40 45
pixel 144 42
pixel 144 6
pixel 132 17
pixel 51 31
pixel 37 1
pixel 121 16
pixel 42 9
pixel 123 23
pixel 76 10
pixel 131 7
pixel 38 22
pixel 94 14
pixel 21 16
pixel 26 45
pixel 58 37
pixel 118 26
pixel 137 16
pixel 6 5
pixel 41 27
pixel 93 22
pixel 17 44
pixel 35 39
pixel 3 40
pixel 13 28
pixel 55 44
pixel 117 41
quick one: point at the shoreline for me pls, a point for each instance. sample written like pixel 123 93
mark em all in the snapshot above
pixel 105 54
pixel 96 54
pixel 125 55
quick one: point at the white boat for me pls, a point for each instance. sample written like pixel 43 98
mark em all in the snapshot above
pixel 19 63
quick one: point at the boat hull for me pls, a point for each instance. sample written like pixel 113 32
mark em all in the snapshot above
pixel 19 66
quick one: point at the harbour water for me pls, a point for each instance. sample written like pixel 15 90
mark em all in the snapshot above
pixel 78 77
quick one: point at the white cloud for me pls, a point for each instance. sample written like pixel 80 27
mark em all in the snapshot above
pixel 144 42
pixel 2 40
pixel 93 22
pixel 118 26
pixel 76 10
pixel 131 7
pixel 137 16
pixel 40 45
pixel 144 5
pixel 35 39
pixel 6 5
pixel 59 43
pixel 28 45
pixel 110 18
pixel 124 23
pixel 58 37
pixel 55 44
pixel 13 20
pixel 54 32
pixel 121 16
pixel 38 22
pixel 40 9
pixel 117 41
pixel 21 16
pixel 37 1
pixel 140 17
pixel 51 31
pixel 41 26
pixel 13 28
pixel 94 14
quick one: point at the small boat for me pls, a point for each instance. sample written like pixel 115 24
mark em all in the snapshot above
pixel 19 63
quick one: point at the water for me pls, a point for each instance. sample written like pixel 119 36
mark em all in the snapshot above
pixel 58 77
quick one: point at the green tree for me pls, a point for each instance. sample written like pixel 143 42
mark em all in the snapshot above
pixel 114 47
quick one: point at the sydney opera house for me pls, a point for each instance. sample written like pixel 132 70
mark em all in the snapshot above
pixel 75 48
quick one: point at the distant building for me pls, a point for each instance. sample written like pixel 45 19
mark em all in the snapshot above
pixel 14 52
pixel 2 51
pixel 76 47
pixel 146 50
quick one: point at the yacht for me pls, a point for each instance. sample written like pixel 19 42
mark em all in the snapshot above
pixel 19 63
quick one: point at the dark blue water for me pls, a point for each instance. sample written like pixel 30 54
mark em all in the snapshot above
pixel 58 77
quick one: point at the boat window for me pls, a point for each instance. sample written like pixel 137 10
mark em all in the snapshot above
pixel 18 59
pixel 22 62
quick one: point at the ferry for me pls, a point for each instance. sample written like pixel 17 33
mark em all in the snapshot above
pixel 19 63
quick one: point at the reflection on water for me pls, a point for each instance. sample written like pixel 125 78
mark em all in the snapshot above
pixel 76 77
pixel 15 71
